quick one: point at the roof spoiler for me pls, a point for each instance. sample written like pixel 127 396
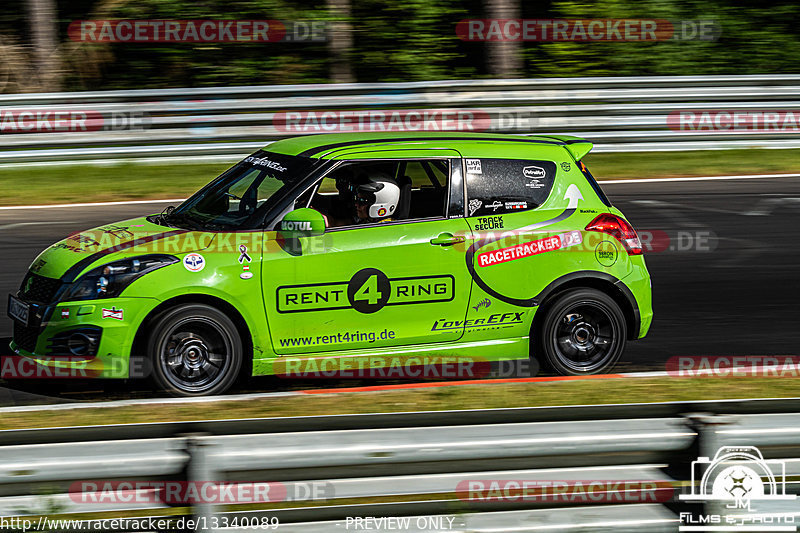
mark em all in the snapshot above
pixel 578 149
pixel 575 145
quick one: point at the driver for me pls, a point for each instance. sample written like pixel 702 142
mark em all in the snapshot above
pixel 375 198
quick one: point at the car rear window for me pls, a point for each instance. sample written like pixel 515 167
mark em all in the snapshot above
pixel 498 186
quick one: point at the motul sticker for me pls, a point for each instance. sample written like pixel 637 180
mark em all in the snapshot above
pixel 114 313
pixel 528 249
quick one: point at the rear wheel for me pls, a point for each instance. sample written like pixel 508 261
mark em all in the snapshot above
pixel 196 350
pixel 583 332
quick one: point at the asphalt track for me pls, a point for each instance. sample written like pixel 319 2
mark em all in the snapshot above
pixel 724 262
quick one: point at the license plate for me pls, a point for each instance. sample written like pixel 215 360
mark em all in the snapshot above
pixel 18 310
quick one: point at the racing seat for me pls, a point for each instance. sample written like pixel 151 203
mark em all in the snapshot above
pixel 404 204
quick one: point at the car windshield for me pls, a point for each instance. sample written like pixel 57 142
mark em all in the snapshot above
pixel 240 196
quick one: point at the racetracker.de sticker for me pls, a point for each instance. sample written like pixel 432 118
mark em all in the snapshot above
pixel 519 251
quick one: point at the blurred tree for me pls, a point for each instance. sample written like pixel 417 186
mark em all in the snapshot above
pixel 381 40
pixel 340 41
pixel 409 41
pixel 504 58
pixel 754 40
pixel 43 21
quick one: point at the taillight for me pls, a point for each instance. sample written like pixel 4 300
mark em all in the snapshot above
pixel 620 229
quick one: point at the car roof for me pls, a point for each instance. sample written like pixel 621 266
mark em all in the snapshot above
pixel 331 144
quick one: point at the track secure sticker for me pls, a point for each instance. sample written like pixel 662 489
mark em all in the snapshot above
pixel 489 223
pixel 194 262
pixel 368 291
pixel 528 249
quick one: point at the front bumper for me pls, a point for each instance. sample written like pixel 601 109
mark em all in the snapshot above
pixel 115 321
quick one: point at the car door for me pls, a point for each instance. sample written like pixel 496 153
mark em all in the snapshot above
pixel 363 287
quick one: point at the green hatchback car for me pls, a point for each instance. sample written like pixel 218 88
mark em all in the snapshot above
pixel 357 247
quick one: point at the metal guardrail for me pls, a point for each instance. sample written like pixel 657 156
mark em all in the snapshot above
pixel 617 114
pixel 402 465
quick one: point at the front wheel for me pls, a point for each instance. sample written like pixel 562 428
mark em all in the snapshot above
pixel 583 332
pixel 196 351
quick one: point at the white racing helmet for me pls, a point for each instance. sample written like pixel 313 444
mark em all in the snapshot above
pixel 381 193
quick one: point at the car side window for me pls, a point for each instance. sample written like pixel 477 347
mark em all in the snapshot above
pixel 375 192
pixel 499 186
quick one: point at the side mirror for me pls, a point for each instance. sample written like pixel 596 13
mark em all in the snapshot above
pixel 303 222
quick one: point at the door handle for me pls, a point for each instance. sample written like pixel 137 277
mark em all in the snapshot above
pixel 447 239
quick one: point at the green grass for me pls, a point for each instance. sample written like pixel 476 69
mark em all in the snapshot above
pixel 579 392
pixel 129 181
pixel 701 163
pixel 88 183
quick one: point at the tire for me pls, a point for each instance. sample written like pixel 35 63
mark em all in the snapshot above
pixel 195 350
pixel 583 332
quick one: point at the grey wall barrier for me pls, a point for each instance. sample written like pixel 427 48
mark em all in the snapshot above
pixel 225 123
pixel 424 471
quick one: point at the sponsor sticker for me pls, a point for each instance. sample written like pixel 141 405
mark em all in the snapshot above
pixel 486 302
pixel 495 320
pixel 516 205
pixel 243 256
pixel 264 162
pixel 473 166
pixel 194 262
pixel 565 166
pixel 533 171
pixel 381 211
pixel 474 205
pixel 65 313
pixel 296 225
pixel 528 249
pixel 114 313
pixel 368 291
pixel 489 223
pixel 606 253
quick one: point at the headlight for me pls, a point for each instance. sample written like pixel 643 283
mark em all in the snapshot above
pixel 108 281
